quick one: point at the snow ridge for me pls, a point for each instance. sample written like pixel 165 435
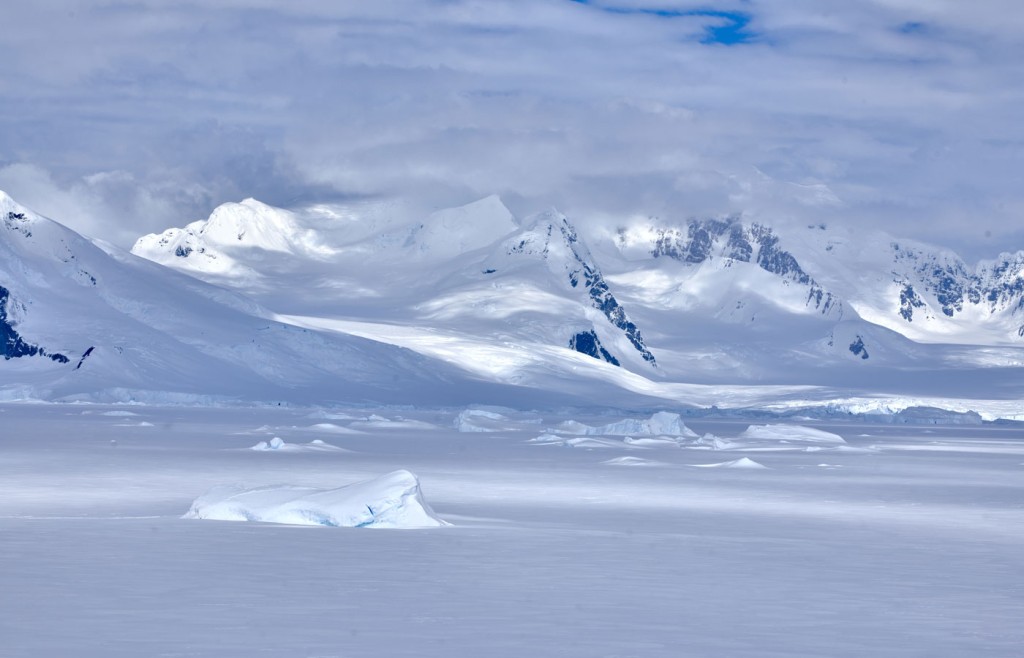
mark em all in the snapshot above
pixel 554 240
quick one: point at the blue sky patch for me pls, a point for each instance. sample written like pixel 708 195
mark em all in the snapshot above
pixel 914 27
pixel 730 32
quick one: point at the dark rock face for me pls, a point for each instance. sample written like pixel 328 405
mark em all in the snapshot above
pixel 998 285
pixel 14 346
pixel 909 300
pixel 585 271
pixel 16 221
pixel 586 342
pixel 704 239
pixel 85 356
pixel 696 246
pixel 858 348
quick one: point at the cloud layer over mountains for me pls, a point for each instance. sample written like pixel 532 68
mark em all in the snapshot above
pixel 123 118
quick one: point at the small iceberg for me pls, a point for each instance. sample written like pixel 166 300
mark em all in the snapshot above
pixel 716 442
pixel 481 420
pixel 742 462
pixel 662 423
pixel 631 461
pixel 398 423
pixel 394 500
pixel 277 444
pixel 548 440
pixel 652 442
pixel 332 428
pixel 784 433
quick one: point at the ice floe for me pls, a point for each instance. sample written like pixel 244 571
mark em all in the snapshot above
pixel 577 442
pixel 774 438
pixel 399 423
pixel 277 444
pixel 662 423
pixel 742 462
pixel 631 461
pixel 592 442
pixel 482 420
pixel 394 500
pixel 332 428
pixel 652 442
pixel 716 442
pixel 333 415
pixel 790 434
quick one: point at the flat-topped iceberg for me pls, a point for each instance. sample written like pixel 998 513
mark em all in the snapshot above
pixel 791 434
pixel 663 423
pixel 742 463
pixel 277 444
pixel 390 501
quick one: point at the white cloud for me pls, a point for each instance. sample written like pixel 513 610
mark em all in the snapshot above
pixel 900 113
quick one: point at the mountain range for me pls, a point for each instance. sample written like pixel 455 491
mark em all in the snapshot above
pixel 474 304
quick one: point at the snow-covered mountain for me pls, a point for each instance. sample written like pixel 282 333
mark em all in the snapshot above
pixel 473 304
pixel 722 244
pixel 80 319
pixel 923 292
pixel 467 266
pixel 711 301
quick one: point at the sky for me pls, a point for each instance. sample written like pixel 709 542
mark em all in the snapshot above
pixel 124 118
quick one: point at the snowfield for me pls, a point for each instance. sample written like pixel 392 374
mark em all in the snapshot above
pixel 854 538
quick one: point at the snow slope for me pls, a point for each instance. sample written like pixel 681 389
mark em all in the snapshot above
pixel 130 329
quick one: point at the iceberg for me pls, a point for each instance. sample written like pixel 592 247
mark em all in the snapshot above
pixel 791 434
pixel 394 500
pixel 742 462
pixel 663 423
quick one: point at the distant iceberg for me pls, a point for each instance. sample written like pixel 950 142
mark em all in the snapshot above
pixel 662 423
pixel 481 420
pixel 791 434
pixel 742 463
pixel 277 444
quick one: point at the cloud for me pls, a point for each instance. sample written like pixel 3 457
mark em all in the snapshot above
pixel 602 108
pixel 101 204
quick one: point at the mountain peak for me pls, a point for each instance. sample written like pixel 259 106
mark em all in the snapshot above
pixel 454 231
pixel 9 205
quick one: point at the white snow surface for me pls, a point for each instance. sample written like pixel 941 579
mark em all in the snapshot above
pixel 389 501
pixel 908 544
